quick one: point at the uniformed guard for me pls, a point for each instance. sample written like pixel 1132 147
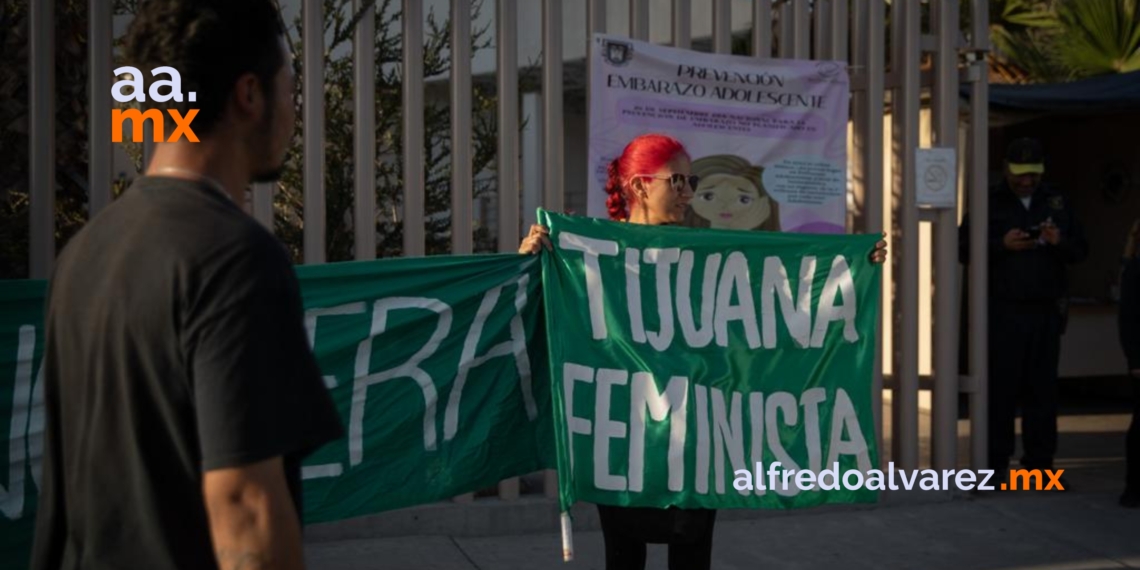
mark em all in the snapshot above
pixel 1033 234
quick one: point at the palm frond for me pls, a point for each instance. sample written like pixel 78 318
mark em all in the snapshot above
pixel 1099 36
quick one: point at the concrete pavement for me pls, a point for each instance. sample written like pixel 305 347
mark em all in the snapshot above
pixel 1010 530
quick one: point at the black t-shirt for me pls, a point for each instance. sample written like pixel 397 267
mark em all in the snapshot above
pixel 175 344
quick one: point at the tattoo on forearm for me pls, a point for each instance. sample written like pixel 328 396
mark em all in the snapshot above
pixel 242 560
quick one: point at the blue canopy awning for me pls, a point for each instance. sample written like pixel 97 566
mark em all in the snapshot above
pixel 1101 94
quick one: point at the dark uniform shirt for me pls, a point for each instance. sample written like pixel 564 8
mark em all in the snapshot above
pixel 175 344
pixel 1129 315
pixel 1036 275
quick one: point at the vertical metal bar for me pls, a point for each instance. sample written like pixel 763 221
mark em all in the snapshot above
pixel 462 178
pixel 532 171
pixel 821 35
pixel 868 55
pixel 722 26
pixel 876 177
pixel 461 195
pixel 979 255
pixel 263 203
pixel 596 14
pixel 549 127
pixel 786 47
pixel 596 24
pixel 905 130
pixel 944 418
pixel 639 20
pixel 801 29
pixel 762 28
pixel 364 143
pixel 839 27
pixel 682 24
pixel 861 119
pixel 552 112
pixel 313 93
pixel 99 100
pixel 508 153
pixel 414 183
pixel 41 102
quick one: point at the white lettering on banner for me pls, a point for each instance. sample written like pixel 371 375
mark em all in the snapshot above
pixel 777 402
pixel 843 418
pixel 756 415
pixel 633 294
pixel 726 433
pixel 572 373
pixel 410 369
pixel 606 429
pixel 36 429
pixel 592 248
pixel 518 346
pixel 515 347
pixel 735 277
pixel 839 282
pixel 311 318
pixel 721 438
pixel 12 497
pixel 697 337
pixel 797 315
pixel 702 398
pixel 321 471
pixel 727 295
pixel 810 401
pixel 664 260
pixel 670 406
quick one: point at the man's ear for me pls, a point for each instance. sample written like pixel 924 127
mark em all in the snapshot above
pixel 248 96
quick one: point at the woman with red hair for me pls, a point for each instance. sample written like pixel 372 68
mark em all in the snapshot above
pixel 652 183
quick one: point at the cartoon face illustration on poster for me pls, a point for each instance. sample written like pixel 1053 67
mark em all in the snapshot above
pixel 731 195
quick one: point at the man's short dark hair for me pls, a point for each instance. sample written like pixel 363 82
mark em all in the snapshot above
pixel 211 43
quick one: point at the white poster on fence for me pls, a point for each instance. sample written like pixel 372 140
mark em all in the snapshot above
pixel 768 137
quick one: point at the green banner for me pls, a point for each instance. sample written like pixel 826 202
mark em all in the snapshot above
pixel 441 369
pixel 700 354
pixel 437 366
pixel 21 415
pixel 438 375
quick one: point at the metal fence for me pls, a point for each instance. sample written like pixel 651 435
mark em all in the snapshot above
pixel 847 30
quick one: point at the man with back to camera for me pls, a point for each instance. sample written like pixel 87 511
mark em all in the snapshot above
pixel 181 392
pixel 1033 234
